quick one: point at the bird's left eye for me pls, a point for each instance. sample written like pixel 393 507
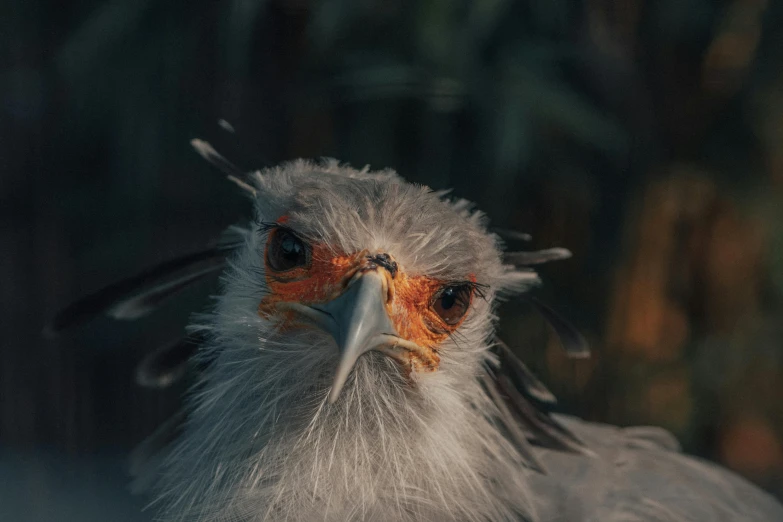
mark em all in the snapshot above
pixel 286 251
pixel 452 303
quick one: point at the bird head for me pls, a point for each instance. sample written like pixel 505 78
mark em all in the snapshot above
pixel 354 263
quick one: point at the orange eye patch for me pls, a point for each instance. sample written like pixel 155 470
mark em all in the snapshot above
pixel 323 279
pixel 325 276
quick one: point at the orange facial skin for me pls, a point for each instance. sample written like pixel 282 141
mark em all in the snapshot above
pixel 409 301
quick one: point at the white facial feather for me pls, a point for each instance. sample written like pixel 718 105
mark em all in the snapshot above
pixel 262 443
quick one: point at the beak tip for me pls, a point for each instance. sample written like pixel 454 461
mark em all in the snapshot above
pixel 337 385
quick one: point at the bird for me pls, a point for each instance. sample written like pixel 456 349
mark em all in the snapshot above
pixel 350 369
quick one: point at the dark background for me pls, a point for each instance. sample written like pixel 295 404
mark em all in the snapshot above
pixel 643 135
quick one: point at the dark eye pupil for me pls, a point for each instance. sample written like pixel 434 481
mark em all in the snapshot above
pixel 291 247
pixel 286 251
pixel 448 299
pixel 452 303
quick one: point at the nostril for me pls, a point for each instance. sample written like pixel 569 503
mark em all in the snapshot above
pixel 385 261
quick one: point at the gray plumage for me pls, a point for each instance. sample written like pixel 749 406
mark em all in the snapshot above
pixel 639 474
pixel 270 433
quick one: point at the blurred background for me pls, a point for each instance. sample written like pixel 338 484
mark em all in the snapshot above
pixel 643 135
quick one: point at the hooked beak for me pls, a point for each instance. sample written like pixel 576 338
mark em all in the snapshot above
pixel 357 320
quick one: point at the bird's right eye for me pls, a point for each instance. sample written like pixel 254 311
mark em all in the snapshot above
pixel 285 251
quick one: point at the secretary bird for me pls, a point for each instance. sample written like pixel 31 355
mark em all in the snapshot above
pixel 349 371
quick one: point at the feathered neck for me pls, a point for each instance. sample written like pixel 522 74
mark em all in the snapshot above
pixel 261 443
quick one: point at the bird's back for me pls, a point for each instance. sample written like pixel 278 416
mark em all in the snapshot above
pixel 639 474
